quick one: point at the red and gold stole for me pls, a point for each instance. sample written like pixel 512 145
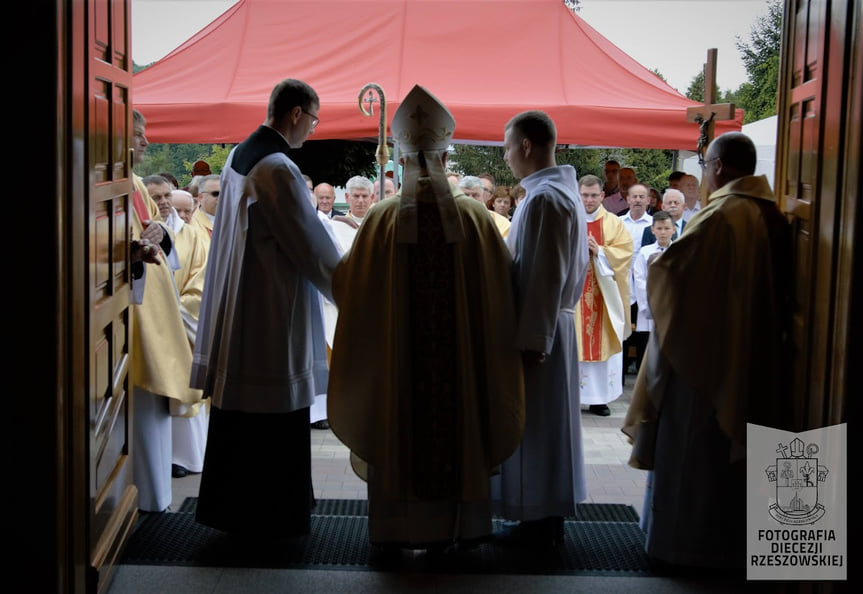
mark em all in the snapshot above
pixel 140 207
pixel 592 304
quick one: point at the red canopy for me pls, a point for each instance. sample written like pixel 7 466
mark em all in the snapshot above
pixel 485 59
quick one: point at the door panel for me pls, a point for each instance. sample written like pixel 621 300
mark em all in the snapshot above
pixel 818 148
pixel 112 496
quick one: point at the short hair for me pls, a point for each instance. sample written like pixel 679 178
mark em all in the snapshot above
pixel 690 176
pixel 517 191
pixel 195 184
pixel 612 162
pixel 469 182
pixel 590 180
pixel 488 176
pixel 662 215
pixel 152 180
pixel 536 126
pixel 288 94
pixel 675 175
pixel 671 191
pixel 170 177
pixel 501 192
pixel 206 178
pixel 138 118
pixel 358 181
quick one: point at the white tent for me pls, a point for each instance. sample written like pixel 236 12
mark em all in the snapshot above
pixel 763 134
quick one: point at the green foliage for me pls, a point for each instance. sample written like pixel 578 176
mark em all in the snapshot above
pixel 760 56
pixel 695 91
pixel 765 39
pixel 651 166
pixel 179 158
pixel 336 161
pixel 469 159
pixel 331 161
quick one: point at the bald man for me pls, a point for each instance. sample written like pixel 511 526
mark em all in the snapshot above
pixel 389 189
pixel 714 363
pixel 326 195
pixel 691 195
pixel 185 204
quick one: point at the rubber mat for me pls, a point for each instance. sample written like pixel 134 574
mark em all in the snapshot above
pixel 601 538
pixel 585 512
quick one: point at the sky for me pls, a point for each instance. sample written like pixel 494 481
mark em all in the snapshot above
pixel 671 36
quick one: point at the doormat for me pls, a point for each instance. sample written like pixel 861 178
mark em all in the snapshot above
pixel 601 538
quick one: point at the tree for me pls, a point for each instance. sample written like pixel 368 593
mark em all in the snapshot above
pixel 760 57
pixel 469 159
pixel 651 166
pixel 336 161
pixel 695 91
pixel 757 97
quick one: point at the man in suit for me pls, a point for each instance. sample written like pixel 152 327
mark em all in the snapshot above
pixel 326 195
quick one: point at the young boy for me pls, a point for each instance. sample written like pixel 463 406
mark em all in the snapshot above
pixel 663 229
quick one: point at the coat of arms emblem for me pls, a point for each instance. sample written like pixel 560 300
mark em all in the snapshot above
pixel 796 477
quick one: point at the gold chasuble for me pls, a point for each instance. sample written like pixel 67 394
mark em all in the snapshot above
pixel 161 354
pixel 598 307
pixel 192 245
pixel 503 224
pixel 742 240
pixel 426 387
pixel 204 223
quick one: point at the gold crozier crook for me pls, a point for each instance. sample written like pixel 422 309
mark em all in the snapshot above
pixel 382 155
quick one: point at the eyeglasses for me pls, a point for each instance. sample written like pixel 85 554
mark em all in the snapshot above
pixel 704 163
pixel 214 193
pixel 315 119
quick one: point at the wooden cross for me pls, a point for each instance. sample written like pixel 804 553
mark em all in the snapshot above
pixel 705 115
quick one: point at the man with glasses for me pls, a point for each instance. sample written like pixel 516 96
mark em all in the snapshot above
pixel 715 363
pixel 260 352
pixel 208 194
pixel 488 185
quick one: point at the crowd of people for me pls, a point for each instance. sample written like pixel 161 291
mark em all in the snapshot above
pixel 497 315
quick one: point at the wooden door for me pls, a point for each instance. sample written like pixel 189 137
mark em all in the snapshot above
pixel 817 181
pixel 112 498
